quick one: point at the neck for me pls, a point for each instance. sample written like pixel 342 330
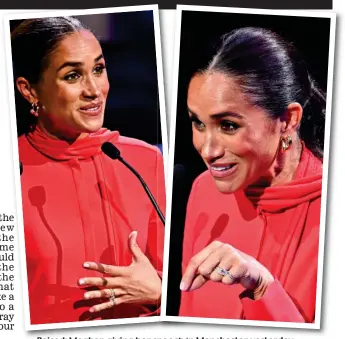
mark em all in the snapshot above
pixel 284 166
pixel 68 137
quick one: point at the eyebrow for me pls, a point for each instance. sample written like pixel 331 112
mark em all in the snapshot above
pixel 221 115
pixel 77 63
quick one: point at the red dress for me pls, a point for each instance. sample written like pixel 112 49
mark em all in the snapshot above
pixel 79 205
pixel 279 226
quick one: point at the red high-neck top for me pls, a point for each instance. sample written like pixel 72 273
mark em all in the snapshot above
pixel 279 226
pixel 79 205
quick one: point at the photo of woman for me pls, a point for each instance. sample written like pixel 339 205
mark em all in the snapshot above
pixel 257 120
pixel 93 238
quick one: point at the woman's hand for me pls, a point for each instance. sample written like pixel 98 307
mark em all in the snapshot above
pixel 221 262
pixel 137 283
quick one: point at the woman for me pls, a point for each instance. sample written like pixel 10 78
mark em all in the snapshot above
pixel 258 123
pixel 93 239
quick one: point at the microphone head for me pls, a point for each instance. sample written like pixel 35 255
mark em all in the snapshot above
pixel 110 150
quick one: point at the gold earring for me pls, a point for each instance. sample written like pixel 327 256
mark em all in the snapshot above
pixel 286 142
pixel 34 109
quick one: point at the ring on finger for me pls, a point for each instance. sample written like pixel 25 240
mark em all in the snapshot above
pixel 222 271
pixel 231 276
pixel 112 296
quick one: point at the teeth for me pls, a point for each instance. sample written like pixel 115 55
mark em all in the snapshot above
pixel 93 109
pixel 219 169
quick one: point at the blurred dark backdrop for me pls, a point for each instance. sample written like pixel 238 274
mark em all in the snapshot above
pixel 128 44
pixel 200 33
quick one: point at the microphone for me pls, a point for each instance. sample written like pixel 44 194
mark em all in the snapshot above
pixel 114 153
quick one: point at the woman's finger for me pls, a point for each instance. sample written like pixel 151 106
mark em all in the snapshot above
pixel 108 304
pixel 198 281
pixel 229 258
pixel 103 306
pixel 107 269
pixel 196 261
pixel 209 265
pixel 105 293
pixel 100 281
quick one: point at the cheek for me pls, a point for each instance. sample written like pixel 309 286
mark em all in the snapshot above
pixel 65 96
pixel 255 147
pixel 103 85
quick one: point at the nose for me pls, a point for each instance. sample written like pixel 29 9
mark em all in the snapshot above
pixel 212 147
pixel 91 89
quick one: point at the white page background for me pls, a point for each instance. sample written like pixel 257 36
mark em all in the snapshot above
pixel 334 267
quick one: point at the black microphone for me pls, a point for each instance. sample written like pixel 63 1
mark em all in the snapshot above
pixel 113 152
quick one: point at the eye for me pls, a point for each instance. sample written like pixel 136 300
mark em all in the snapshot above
pixel 99 69
pixel 71 77
pixel 229 126
pixel 197 123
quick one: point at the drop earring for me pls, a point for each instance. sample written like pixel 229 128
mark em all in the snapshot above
pixel 286 142
pixel 34 109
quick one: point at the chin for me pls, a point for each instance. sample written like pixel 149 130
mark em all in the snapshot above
pixel 93 127
pixel 226 187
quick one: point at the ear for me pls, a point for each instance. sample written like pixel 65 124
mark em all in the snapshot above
pixel 293 116
pixel 26 90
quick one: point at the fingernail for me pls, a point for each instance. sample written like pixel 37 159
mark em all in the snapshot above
pixel 86 264
pixel 86 296
pixel 183 286
pixel 81 281
pixel 133 233
pixel 91 310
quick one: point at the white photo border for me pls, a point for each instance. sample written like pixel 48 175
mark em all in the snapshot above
pixel 173 115
pixel 18 194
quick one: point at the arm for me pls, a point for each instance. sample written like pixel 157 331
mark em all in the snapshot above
pixel 275 305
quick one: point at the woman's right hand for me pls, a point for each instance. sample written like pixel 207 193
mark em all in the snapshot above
pixel 220 262
pixel 138 283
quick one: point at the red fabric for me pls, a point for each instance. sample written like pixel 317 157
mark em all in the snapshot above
pixel 79 205
pixel 279 226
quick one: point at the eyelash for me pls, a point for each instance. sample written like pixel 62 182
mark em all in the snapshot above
pixel 229 126
pixel 226 126
pixel 74 76
pixel 197 123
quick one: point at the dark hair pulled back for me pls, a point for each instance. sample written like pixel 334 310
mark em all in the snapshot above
pixel 272 74
pixel 32 42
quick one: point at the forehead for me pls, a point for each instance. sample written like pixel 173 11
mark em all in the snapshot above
pixel 76 47
pixel 215 92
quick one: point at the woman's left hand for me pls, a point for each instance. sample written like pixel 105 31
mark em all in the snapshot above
pixel 137 283
pixel 221 262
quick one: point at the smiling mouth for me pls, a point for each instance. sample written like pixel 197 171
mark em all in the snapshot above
pixel 222 171
pixel 92 110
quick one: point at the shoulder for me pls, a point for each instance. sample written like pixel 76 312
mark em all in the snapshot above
pixel 140 154
pixel 22 140
pixel 26 151
pixel 132 146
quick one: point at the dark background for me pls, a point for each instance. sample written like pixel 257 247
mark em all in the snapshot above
pixel 200 32
pixel 170 4
pixel 128 44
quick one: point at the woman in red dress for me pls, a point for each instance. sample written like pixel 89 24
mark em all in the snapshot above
pixel 251 235
pixel 93 239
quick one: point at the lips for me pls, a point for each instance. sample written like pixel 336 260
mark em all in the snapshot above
pixel 222 170
pixel 92 109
